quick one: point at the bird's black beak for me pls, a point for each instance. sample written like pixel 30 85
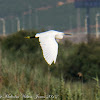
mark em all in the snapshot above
pixel 32 37
pixel 29 37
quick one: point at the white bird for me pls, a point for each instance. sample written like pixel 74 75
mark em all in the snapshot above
pixel 49 44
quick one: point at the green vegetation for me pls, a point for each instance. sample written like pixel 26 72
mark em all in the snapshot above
pixel 23 70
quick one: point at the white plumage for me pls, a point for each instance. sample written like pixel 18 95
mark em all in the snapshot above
pixel 49 45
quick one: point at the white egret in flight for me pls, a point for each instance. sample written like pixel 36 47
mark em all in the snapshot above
pixel 49 44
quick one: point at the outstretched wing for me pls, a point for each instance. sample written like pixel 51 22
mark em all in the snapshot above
pixel 50 48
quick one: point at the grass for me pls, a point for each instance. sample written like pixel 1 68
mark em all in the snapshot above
pixel 25 75
pixel 19 78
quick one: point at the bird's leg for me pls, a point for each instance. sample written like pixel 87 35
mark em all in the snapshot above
pixel 67 34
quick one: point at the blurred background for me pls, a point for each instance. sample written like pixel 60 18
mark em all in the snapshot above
pixel 59 15
pixel 23 70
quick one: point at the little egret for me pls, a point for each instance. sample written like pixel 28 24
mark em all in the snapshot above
pixel 49 44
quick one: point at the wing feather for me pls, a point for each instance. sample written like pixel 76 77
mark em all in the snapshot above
pixel 50 48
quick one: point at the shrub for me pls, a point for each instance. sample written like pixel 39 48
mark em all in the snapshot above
pixel 85 59
pixel 17 42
